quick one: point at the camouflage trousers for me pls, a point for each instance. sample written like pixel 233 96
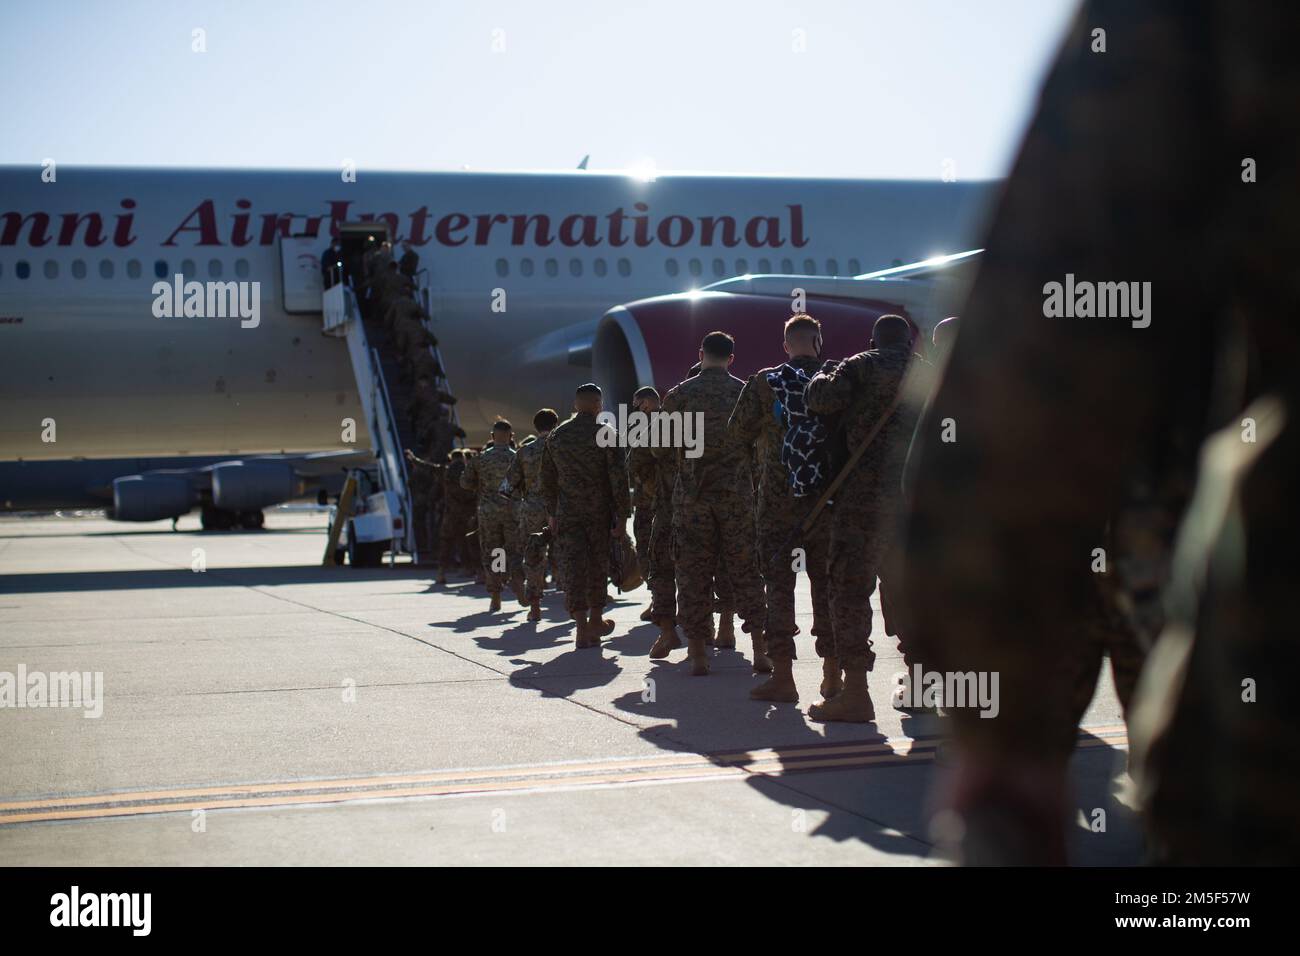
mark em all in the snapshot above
pixel 779 517
pixel 451 537
pixel 861 540
pixel 498 541
pixel 659 568
pixel 582 556
pixel 532 519
pixel 713 536
pixel 642 528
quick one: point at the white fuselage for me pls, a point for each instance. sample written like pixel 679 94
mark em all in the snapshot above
pixel 521 266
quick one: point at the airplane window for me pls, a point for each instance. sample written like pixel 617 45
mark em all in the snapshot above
pixel 503 268
pixel 106 268
pixel 22 269
pixel 552 268
pixel 526 267
pixel 133 268
pixel 719 267
pixel 832 267
pixel 600 267
pixel 51 269
pixel 160 269
pixel 809 267
pixel 764 266
pixel 624 267
pixel 188 268
pixel 696 268
pixel 855 267
pixel 241 268
pixel 742 266
pixel 78 268
pixel 787 266
pixel 670 265
pixel 575 267
pixel 214 268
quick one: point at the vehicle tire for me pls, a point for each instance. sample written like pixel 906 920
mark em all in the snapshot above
pixel 251 520
pixel 364 554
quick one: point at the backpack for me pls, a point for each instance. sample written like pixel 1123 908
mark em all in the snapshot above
pixel 805 444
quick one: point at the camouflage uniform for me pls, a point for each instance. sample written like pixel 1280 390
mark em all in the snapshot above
pixel 585 490
pixel 525 480
pixel 496 520
pixel 457 516
pixel 659 555
pixel 713 509
pixel 426 479
pixel 641 471
pixel 780 513
pixel 861 389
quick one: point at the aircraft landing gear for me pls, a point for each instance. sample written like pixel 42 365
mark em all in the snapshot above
pixel 219 519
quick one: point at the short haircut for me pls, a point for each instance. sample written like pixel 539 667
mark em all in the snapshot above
pixel 646 391
pixel 545 420
pixel 590 388
pixel 718 345
pixel 891 330
pixel 501 425
pixel 803 322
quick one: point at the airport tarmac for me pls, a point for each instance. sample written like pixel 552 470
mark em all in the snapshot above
pixel 266 710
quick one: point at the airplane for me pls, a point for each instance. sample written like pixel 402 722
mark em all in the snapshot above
pixel 517 269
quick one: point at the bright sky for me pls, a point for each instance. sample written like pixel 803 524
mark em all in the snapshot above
pixel 881 89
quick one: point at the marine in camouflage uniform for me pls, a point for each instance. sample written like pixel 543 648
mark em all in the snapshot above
pixel 643 472
pixel 525 482
pixel 713 518
pixel 426 488
pixel 497 528
pixel 759 423
pixel 458 519
pixel 864 391
pixel 585 489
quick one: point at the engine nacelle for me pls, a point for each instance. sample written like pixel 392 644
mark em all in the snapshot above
pixel 151 497
pixel 655 341
pixel 252 485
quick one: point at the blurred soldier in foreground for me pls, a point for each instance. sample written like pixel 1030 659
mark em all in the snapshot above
pixel 643 473
pixel 867 392
pixel 790 446
pixel 1072 415
pixel 525 483
pixel 498 533
pixel 713 507
pixel 586 493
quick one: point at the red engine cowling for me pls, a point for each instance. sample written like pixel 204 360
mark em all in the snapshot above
pixel 655 341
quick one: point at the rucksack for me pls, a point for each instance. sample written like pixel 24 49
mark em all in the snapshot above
pixel 805 444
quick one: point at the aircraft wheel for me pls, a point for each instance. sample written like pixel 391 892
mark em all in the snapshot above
pixel 251 520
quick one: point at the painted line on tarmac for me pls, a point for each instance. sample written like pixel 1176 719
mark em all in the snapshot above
pixel 681 768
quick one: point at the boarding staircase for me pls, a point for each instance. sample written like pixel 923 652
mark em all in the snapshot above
pixel 384 400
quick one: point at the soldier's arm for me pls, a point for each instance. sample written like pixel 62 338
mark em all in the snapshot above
pixel 618 486
pixel 550 482
pixel 673 402
pixel 469 477
pixel 831 389
pixel 747 417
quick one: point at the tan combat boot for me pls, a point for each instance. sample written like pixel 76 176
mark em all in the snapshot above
pixel 598 627
pixel 726 631
pixel 581 638
pixel 780 686
pixel 496 602
pixel 649 613
pixel 832 682
pixel 666 642
pixel 697 653
pixel 535 610
pixel 762 663
pixel 851 705
pixel 521 592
